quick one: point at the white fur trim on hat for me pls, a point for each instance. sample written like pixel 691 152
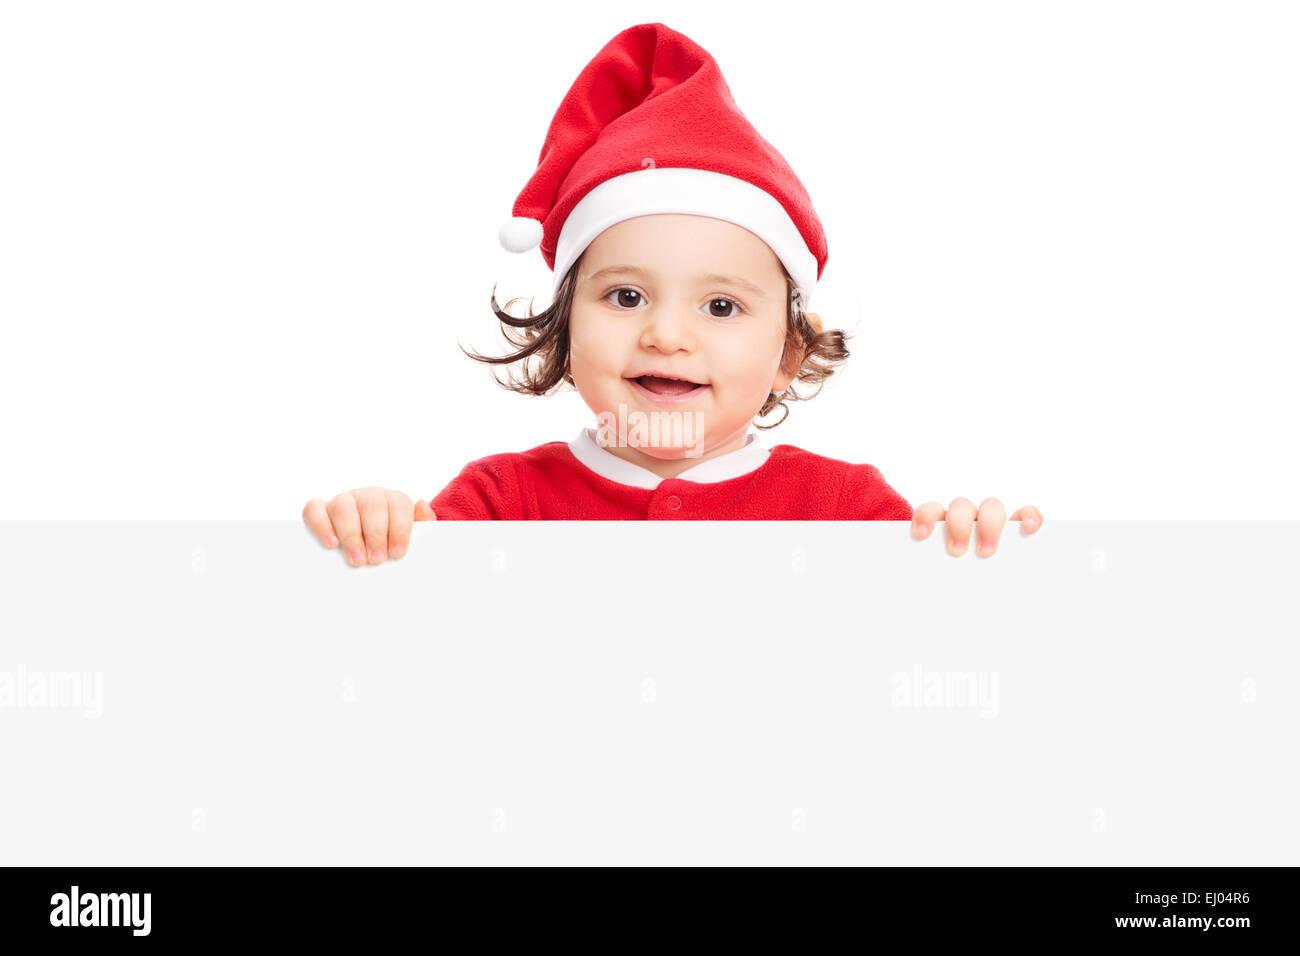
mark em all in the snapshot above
pixel 697 192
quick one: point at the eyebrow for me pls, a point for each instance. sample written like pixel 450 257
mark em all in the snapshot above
pixel 711 277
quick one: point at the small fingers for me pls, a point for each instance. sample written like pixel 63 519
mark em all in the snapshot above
pixel 316 518
pixel 424 511
pixel 1030 518
pixel 373 505
pixel 345 517
pixel 925 517
pixel 990 521
pixel 959 520
pixel 401 516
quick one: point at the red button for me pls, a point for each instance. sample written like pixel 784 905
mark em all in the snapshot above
pixel 672 501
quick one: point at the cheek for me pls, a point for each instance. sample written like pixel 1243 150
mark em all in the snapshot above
pixel 591 342
pixel 580 342
pixel 751 365
pixel 591 358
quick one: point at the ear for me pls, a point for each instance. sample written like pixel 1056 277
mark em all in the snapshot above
pixel 790 365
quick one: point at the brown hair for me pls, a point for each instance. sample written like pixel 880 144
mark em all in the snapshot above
pixel 541 345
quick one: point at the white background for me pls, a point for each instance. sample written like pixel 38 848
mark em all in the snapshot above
pixel 239 243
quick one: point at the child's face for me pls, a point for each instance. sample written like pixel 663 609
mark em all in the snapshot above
pixel 684 314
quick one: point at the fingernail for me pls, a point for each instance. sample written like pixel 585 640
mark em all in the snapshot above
pixel 357 556
pixel 376 554
pixel 986 548
pixel 397 551
pixel 958 547
pixel 331 541
pixel 922 530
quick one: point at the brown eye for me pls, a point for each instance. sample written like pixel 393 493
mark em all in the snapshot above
pixel 620 293
pixel 723 304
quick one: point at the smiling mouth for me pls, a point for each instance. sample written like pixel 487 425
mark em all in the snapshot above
pixel 667 387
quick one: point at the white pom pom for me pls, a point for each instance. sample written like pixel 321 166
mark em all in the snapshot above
pixel 519 234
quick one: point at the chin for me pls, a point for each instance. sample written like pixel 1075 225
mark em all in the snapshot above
pixel 665 453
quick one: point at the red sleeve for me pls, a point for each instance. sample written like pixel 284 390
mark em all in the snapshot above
pixel 866 496
pixel 485 490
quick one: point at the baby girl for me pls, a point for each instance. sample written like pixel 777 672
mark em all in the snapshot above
pixel 685 254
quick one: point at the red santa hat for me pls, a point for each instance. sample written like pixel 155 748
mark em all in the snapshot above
pixel 649 126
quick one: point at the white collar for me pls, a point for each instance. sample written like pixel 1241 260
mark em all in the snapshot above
pixel 605 463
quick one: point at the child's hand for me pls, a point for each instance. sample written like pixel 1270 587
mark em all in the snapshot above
pixel 961 514
pixel 383 517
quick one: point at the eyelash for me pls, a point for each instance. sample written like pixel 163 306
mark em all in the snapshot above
pixel 717 298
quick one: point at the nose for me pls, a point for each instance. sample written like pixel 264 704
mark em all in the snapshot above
pixel 667 329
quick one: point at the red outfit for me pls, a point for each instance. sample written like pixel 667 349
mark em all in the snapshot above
pixel 549 483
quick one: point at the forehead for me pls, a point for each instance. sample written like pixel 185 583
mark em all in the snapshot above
pixel 680 246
